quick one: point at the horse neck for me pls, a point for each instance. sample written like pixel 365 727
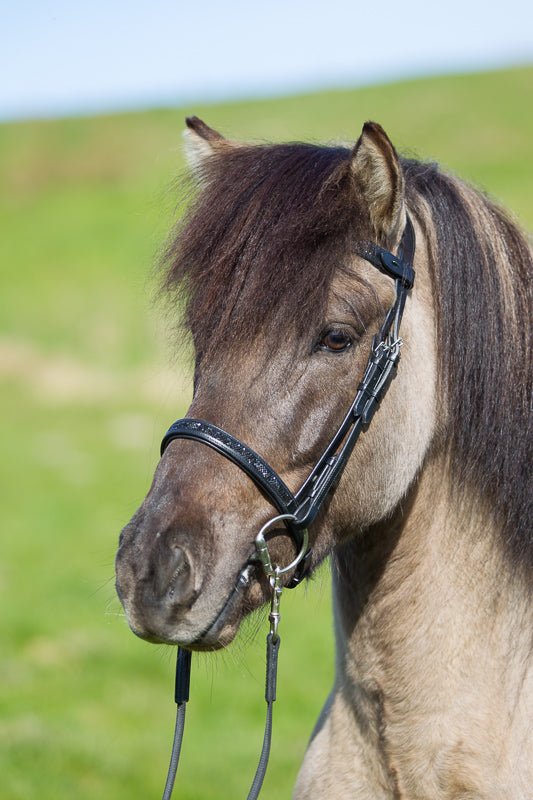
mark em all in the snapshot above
pixel 425 608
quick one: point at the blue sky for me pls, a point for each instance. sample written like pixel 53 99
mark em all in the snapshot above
pixel 59 57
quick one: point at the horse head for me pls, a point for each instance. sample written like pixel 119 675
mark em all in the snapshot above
pixel 282 309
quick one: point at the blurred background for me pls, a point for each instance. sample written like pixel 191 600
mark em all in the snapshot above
pixel 92 101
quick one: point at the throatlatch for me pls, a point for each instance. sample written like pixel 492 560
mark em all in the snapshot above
pixel 298 511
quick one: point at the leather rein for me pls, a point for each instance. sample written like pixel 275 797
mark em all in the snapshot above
pixel 298 510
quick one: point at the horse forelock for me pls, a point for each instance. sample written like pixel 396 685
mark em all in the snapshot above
pixel 268 229
pixel 272 224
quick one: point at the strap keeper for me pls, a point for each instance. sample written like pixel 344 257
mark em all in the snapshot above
pixel 396 268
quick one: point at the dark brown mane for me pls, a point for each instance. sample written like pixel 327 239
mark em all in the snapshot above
pixel 273 223
pixel 482 274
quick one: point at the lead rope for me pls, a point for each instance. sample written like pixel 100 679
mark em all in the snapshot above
pixel 181 695
pixel 273 642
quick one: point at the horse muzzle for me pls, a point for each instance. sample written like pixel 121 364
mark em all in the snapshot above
pixel 158 588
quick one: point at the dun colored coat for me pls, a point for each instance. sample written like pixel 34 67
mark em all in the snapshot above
pixel 429 530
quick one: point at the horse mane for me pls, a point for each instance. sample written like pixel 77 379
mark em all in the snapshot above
pixel 272 224
pixel 481 273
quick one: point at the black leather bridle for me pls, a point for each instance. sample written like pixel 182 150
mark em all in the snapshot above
pixel 298 510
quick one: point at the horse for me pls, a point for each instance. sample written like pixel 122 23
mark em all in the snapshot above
pixel 429 528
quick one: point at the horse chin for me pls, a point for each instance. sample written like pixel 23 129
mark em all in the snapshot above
pixel 223 629
pixel 195 634
pixel 219 634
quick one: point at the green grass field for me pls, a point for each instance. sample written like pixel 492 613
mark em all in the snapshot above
pixel 90 380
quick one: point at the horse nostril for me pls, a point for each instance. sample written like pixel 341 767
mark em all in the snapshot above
pixel 180 566
pixel 179 576
pixel 181 559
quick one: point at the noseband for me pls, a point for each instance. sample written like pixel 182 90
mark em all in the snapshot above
pixel 298 510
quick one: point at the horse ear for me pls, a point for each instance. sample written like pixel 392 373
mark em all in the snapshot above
pixel 378 173
pixel 201 141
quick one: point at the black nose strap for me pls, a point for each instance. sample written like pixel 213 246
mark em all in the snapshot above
pixel 264 477
pixel 243 456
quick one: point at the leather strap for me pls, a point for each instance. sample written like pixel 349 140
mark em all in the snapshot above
pixel 243 456
pixel 398 267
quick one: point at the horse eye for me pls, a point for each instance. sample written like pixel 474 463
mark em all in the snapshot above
pixel 335 340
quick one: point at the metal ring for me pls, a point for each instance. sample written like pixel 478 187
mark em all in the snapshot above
pixel 264 554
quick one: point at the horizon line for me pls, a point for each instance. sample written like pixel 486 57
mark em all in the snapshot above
pixel 249 94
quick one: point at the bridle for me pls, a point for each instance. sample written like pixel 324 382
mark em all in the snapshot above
pixel 298 510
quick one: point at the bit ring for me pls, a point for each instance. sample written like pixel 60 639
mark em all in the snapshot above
pixel 264 554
